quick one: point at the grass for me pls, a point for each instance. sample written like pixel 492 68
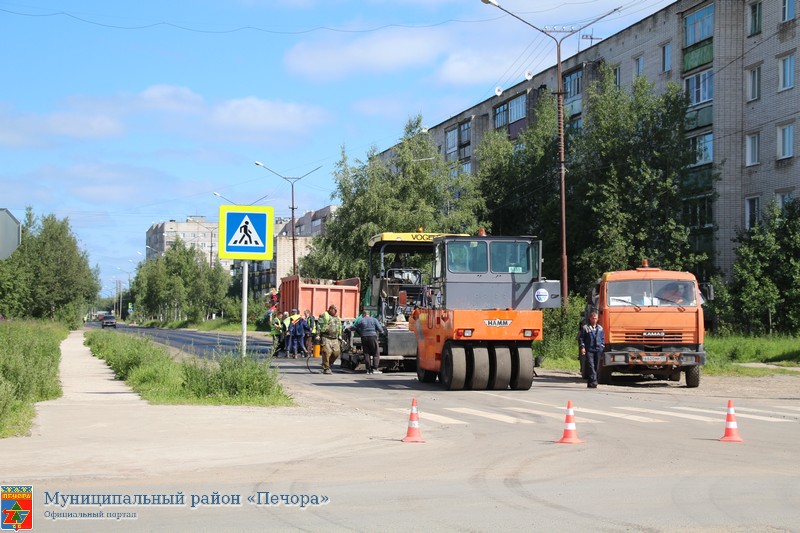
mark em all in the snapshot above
pixel 30 353
pixel 227 380
pixel 724 355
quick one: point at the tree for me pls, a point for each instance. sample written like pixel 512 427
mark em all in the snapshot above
pixel 521 183
pixel 626 181
pixel 180 285
pixel 48 275
pixel 765 282
pixel 412 189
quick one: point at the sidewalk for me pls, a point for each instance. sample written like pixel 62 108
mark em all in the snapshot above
pixel 101 428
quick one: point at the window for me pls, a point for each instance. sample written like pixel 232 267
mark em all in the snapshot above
pixel 698 211
pixel 783 198
pixel 451 144
pixel 511 257
pixel 516 108
pixel 638 66
pixel 464 140
pixel 457 142
pixel 510 111
pixel 573 84
pixel 786 72
pixel 752 213
pixel 465 132
pixel 703 148
pixel 699 25
pixel 467 256
pixel 787 10
pixel 754 19
pixel 785 141
pixel 500 116
pixel 754 84
pixel 666 57
pixel 617 77
pixel 700 87
pixel 752 149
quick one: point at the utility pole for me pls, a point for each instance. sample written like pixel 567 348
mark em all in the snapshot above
pixel 549 31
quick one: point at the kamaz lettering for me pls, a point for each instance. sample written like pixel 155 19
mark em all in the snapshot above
pixel 653 334
pixel 497 323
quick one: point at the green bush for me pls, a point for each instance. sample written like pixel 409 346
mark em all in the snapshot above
pixel 30 353
pixel 149 370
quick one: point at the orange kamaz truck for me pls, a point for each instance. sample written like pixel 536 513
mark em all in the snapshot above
pixel 653 322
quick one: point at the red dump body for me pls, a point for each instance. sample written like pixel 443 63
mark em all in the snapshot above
pixel 317 294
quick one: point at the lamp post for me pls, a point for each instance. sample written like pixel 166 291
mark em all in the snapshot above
pixel 560 92
pixel 291 181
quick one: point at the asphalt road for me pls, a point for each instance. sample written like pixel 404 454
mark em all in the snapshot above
pixel 651 459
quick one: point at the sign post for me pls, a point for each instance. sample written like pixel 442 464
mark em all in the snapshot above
pixel 245 233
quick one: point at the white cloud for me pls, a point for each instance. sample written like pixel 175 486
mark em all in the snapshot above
pixel 170 98
pixel 26 130
pixel 251 116
pixel 83 126
pixel 382 52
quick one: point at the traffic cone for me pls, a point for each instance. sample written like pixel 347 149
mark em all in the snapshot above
pixel 413 434
pixel 731 429
pixel 570 435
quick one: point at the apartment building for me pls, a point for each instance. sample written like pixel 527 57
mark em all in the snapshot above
pixel 195 232
pixel 736 60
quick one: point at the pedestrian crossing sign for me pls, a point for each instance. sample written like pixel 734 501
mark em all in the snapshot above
pixel 245 232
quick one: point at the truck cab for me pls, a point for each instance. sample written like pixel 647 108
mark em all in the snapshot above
pixel 653 322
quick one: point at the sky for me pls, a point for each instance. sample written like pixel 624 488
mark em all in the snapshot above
pixel 118 115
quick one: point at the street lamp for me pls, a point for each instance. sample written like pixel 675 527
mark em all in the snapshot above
pixel 292 207
pixel 562 169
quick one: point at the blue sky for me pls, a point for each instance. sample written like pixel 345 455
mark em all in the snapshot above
pixel 121 114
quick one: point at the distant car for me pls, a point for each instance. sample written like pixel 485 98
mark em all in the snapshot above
pixel 109 321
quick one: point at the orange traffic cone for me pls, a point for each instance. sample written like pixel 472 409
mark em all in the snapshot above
pixel 413 434
pixel 570 435
pixel 731 429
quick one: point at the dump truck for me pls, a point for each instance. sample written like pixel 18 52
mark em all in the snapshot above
pixel 317 295
pixel 477 319
pixel 653 322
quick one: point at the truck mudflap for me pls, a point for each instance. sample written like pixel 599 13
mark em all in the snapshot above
pixel 654 359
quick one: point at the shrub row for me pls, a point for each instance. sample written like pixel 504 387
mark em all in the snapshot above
pixel 29 356
pixel 148 368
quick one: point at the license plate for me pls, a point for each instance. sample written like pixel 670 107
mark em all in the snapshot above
pixel 654 358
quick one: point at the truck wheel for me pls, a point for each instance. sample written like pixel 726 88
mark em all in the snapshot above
pixel 454 367
pixel 675 376
pixel 522 368
pixel 693 377
pixel 480 368
pixel 425 376
pixel 500 375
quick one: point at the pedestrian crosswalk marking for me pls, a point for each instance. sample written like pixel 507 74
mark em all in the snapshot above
pixel 667 413
pixel 578 419
pixel 581 410
pixel 432 417
pixel 739 414
pixel 491 416
pixel 787 407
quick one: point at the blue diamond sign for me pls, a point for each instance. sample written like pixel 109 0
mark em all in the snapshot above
pixel 246 232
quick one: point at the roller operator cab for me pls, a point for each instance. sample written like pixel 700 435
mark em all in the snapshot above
pixel 481 312
pixel 653 322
